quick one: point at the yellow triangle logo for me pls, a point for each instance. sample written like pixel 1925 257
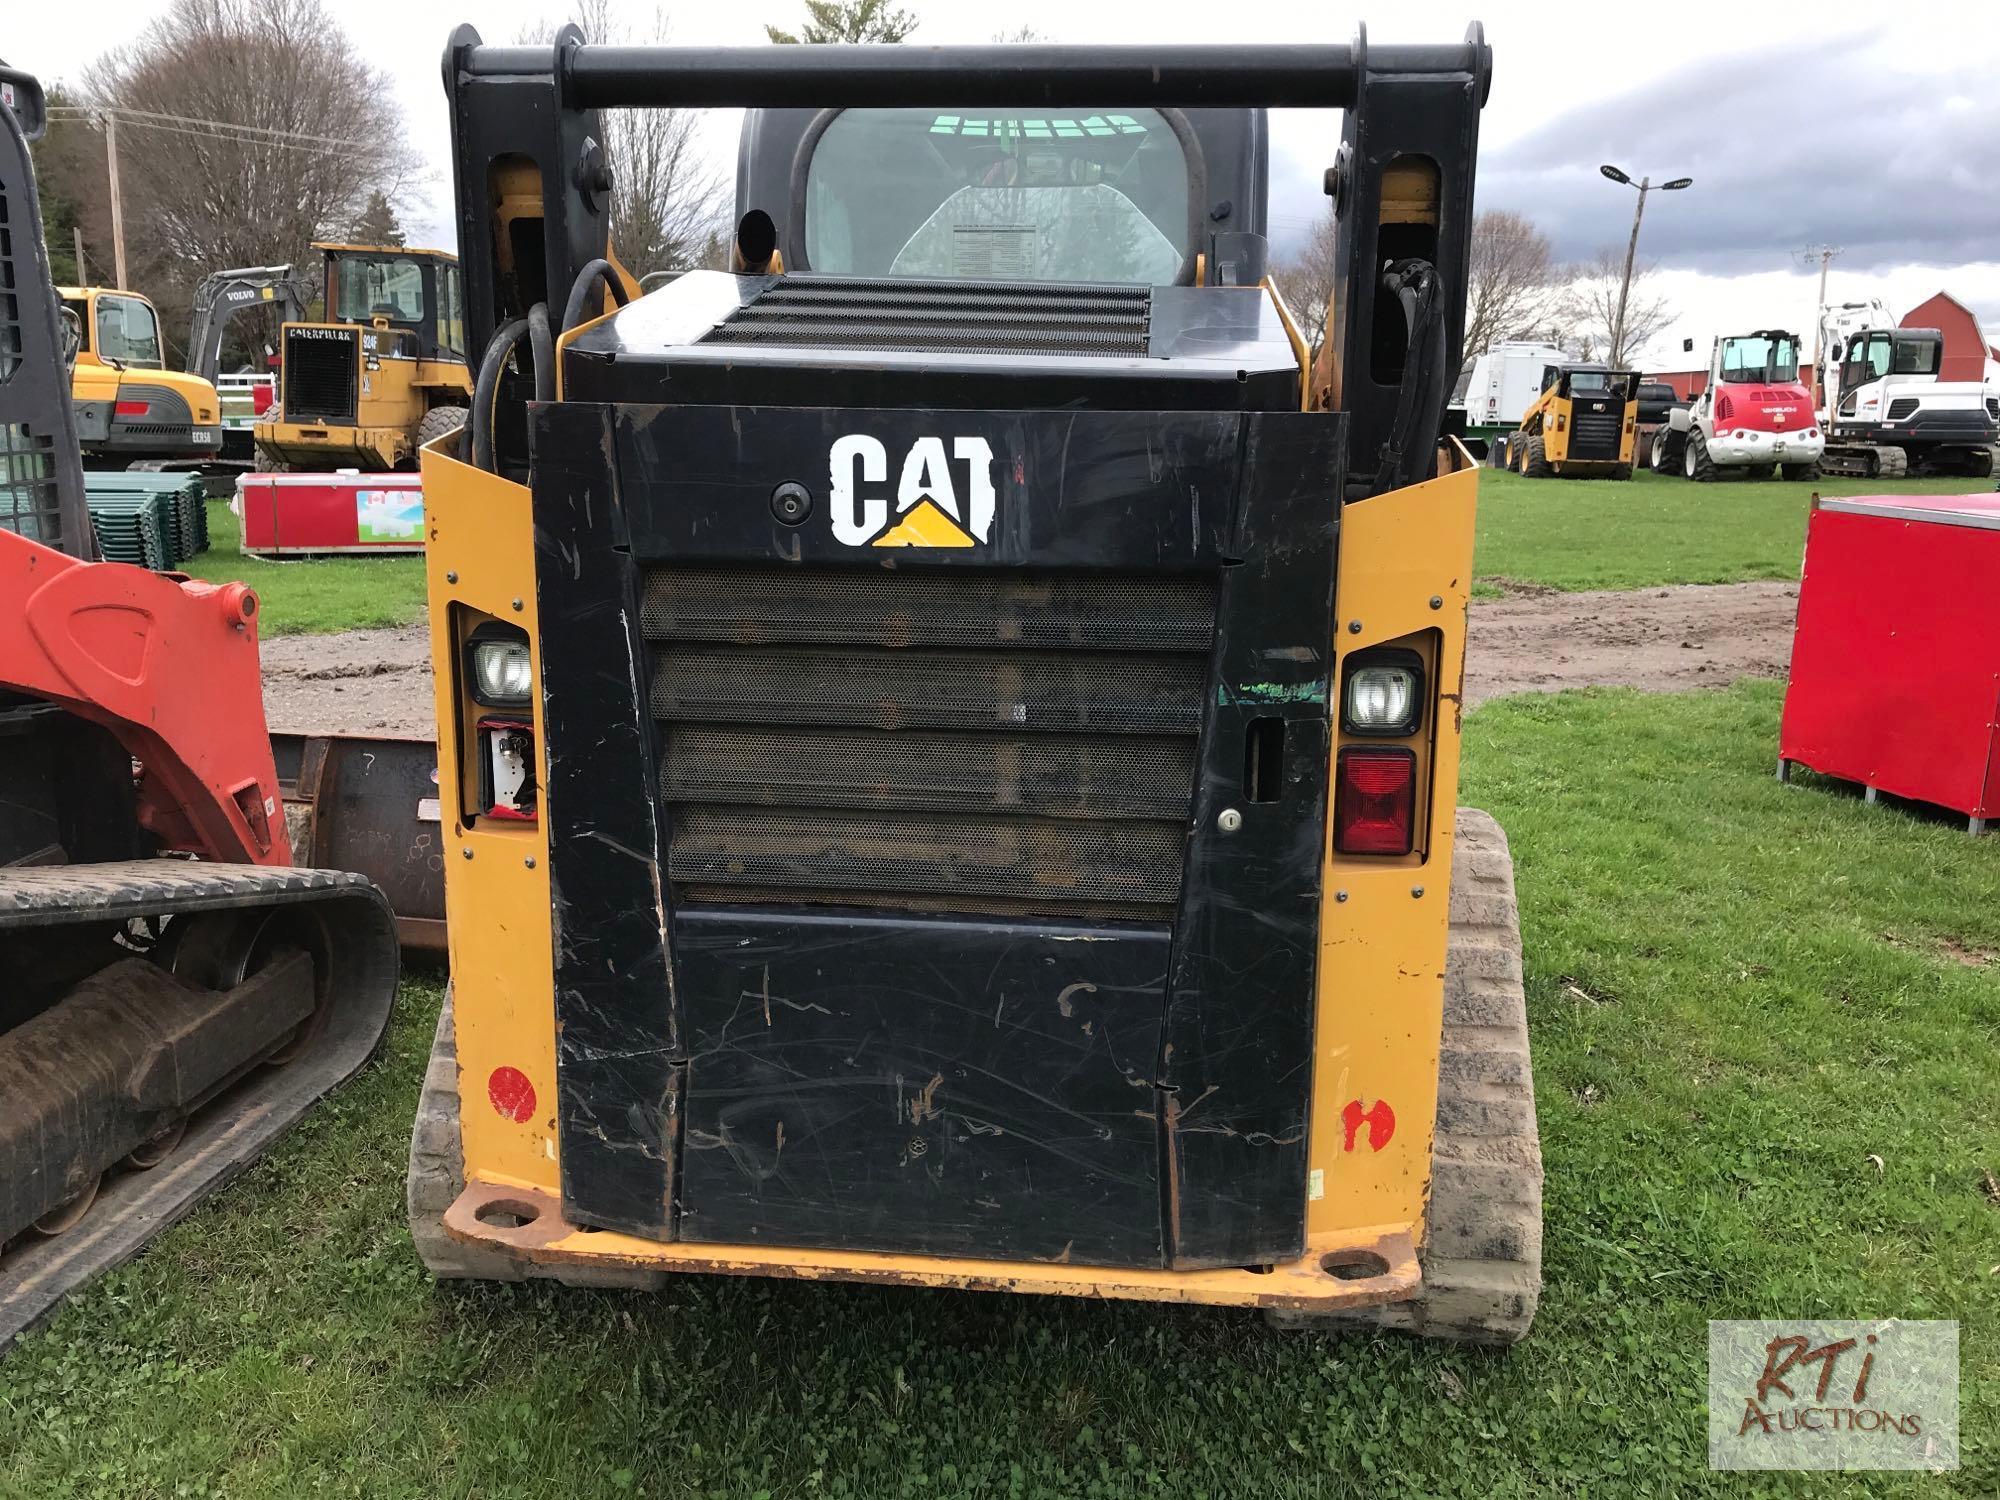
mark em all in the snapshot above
pixel 924 526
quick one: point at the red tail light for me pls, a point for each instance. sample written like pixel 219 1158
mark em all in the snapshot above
pixel 1375 801
pixel 1724 407
pixel 134 408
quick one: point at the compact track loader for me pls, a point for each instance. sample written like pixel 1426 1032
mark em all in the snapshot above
pixel 173 993
pixel 949 734
pixel 1583 425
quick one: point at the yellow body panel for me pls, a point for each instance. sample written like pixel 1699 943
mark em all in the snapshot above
pixel 480 555
pixel 1382 948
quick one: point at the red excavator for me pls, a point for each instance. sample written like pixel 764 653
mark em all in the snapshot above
pixel 174 992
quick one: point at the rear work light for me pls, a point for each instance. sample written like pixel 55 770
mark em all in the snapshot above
pixel 1375 800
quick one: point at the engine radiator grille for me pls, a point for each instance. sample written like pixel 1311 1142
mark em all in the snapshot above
pixel 320 368
pixel 1596 434
pixel 996 317
pixel 997 743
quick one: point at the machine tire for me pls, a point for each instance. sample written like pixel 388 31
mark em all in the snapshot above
pixel 1666 454
pixel 1695 462
pixel 1758 472
pixel 1620 471
pixel 1534 461
pixel 1482 1257
pixel 438 421
pixel 437 1177
pixel 1799 471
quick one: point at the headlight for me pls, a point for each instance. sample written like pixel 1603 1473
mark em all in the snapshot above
pixel 501 676
pixel 1383 697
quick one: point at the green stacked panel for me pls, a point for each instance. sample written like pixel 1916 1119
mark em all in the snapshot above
pixel 156 521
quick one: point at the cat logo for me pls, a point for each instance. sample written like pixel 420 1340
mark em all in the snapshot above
pixel 928 512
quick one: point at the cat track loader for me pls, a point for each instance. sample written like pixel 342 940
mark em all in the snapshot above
pixel 930 802
pixel 173 992
pixel 1583 425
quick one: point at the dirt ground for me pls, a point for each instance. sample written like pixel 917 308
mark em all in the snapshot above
pixel 1534 641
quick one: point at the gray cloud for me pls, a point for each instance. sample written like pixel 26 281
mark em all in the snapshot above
pixel 1817 143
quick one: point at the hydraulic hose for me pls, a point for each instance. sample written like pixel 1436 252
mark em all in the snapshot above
pixel 586 283
pixel 486 389
pixel 1406 457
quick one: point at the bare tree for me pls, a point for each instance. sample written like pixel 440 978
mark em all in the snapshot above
pixel 1587 312
pixel 1514 283
pixel 1306 280
pixel 1015 36
pixel 849 21
pixel 246 129
pixel 667 198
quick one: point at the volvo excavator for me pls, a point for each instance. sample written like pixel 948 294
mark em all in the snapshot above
pixel 174 991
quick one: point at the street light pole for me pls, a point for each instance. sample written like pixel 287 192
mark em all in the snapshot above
pixel 1616 354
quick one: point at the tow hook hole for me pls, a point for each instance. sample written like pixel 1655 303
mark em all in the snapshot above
pixel 1353 1265
pixel 507 1213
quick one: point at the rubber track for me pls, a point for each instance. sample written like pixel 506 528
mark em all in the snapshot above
pixel 234 1130
pixel 1482 1258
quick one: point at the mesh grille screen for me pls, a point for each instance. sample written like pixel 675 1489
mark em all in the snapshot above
pixel 1001 743
pixel 1597 434
pixel 319 376
pixel 806 312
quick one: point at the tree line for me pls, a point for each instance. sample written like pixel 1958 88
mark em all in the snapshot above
pixel 1516 289
pixel 246 129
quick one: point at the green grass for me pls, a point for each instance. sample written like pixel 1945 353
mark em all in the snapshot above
pixel 1654 529
pixel 317 595
pixel 1739 994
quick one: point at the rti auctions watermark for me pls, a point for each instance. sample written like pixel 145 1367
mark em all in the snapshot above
pixel 1819 1394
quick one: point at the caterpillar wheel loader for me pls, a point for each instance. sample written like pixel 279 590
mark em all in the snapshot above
pixel 385 372
pixel 173 993
pixel 949 734
pixel 1583 425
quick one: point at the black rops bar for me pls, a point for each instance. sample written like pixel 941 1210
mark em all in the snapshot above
pixel 832 77
pixel 537 108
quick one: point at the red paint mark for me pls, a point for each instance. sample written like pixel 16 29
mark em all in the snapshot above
pixel 1381 1122
pixel 1020 470
pixel 514 1097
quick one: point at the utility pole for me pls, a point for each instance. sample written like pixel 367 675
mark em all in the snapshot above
pixel 117 209
pixel 1615 355
pixel 76 234
pixel 1824 254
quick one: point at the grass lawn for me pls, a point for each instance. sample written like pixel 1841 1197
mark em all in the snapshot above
pixel 312 596
pixel 1740 994
pixel 1653 529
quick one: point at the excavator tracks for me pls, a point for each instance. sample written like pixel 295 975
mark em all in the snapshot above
pixel 164 1022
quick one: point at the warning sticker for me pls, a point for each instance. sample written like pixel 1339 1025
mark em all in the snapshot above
pixel 993 252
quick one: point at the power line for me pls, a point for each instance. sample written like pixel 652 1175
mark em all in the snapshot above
pixel 147 119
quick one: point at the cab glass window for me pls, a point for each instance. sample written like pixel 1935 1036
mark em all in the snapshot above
pixel 81 309
pixel 451 310
pixel 1760 357
pixel 365 288
pixel 999 196
pixel 128 332
pixel 1916 357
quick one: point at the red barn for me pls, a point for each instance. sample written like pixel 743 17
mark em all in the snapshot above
pixel 1965 348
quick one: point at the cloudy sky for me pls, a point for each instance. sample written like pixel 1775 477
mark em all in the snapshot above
pixel 1875 128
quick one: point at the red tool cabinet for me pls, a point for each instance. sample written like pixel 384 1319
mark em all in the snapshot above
pixel 293 514
pixel 1896 655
